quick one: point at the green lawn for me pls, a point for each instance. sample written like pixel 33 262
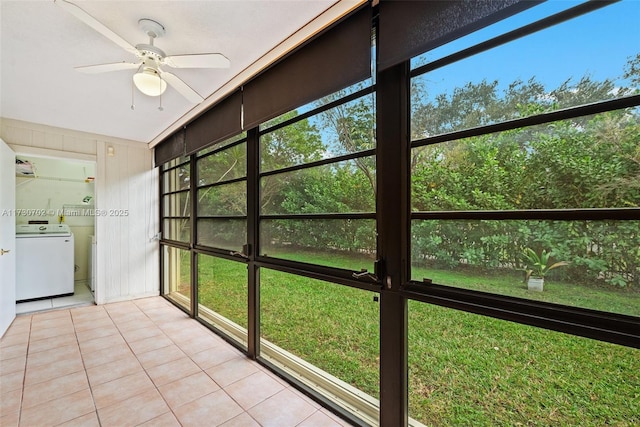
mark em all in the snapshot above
pixel 223 287
pixel 500 282
pixel 465 369
pixel 609 299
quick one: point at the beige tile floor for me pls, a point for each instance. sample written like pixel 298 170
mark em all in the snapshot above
pixel 141 362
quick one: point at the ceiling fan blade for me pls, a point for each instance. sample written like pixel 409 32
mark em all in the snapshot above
pixel 96 25
pixel 183 88
pixel 198 60
pixel 105 68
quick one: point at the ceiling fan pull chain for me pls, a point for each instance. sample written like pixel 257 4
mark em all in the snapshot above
pixel 160 83
pixel 133 107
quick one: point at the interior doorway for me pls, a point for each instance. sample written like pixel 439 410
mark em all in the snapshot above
pixel 58 191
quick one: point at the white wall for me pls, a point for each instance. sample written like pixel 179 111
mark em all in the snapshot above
pixel 126 190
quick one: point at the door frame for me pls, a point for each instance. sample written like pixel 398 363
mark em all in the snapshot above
pixel 8 260
pixel 21 150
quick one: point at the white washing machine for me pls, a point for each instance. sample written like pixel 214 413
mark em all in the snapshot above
pixel 44 261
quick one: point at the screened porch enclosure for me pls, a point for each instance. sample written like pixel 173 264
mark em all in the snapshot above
pixel 362 218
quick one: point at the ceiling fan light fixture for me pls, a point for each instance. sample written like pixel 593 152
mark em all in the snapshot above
pixel 149 82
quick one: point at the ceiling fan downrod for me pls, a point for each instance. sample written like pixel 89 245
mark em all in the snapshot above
pixel 151 28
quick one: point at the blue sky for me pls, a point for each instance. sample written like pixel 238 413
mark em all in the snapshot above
pixel 597 44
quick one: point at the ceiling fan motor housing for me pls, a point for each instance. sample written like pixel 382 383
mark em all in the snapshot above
pixel 150 54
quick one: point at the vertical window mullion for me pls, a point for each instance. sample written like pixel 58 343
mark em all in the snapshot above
pixel 193 194
pixel 163 286
pixel 392 213
pixel 253 207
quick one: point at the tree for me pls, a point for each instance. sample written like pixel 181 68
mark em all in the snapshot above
pixel 632 72
pixel 287 146
pixel 222 166
pixel 585 162
pixel 351 129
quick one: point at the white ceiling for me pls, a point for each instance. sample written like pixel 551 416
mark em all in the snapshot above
pixel 41 44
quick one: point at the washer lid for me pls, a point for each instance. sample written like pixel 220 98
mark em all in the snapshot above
pixel 42 230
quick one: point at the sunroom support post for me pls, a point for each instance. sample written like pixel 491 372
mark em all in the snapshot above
pixel 193 238
pixel 393 227
pixel 253 210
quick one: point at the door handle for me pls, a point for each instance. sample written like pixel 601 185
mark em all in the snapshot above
pixel 2 251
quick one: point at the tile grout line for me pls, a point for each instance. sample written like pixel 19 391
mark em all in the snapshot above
pixel 134 355
pixel 135 308
pixel 31 329
pixel 310 415
pixel 24 374
pixel 245 411
pixel 142 366
pixel 171 409
pixel 220 388
pixel 95 408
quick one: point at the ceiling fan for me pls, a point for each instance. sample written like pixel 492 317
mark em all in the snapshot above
pixel 150 78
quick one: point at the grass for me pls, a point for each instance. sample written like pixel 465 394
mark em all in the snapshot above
pixel 331 326
pixel 223 287
pixel 597 298
pixel 465 369
pixel 500 282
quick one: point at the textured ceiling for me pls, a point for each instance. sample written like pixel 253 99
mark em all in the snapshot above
pixel 41 44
